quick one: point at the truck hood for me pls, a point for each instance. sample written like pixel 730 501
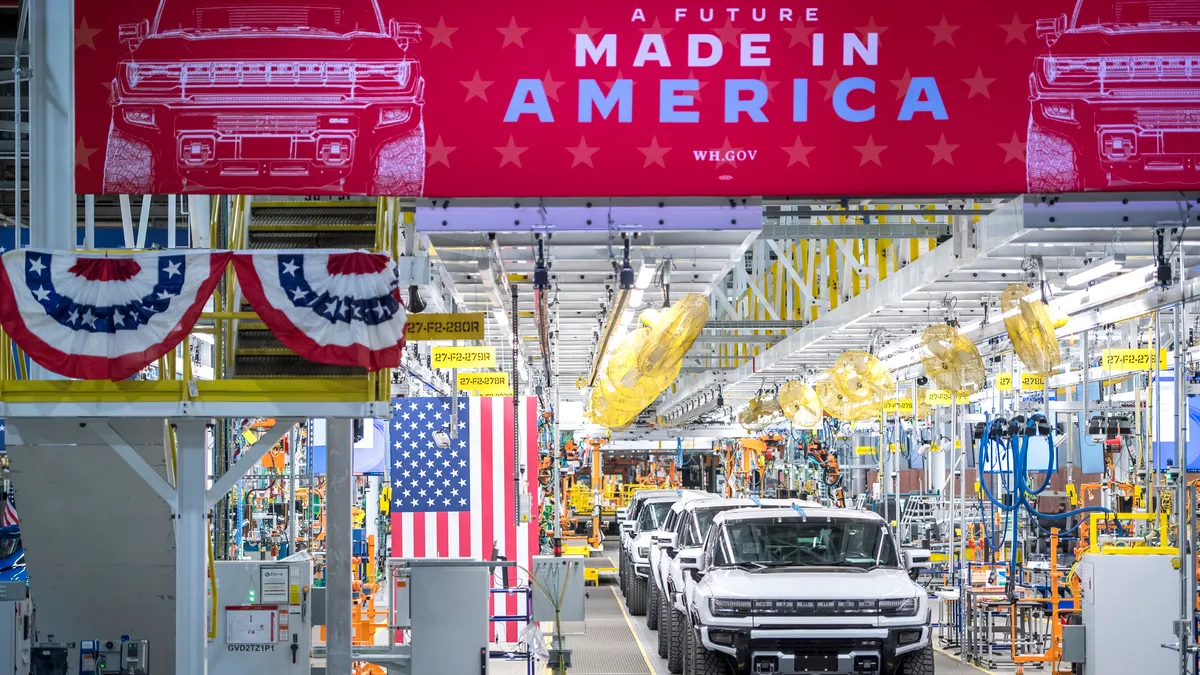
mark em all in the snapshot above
pixel 810 584
pixel 176 47
pixel 1132 40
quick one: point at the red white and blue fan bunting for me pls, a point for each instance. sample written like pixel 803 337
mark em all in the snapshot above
pixel 340 308
pixel 100 317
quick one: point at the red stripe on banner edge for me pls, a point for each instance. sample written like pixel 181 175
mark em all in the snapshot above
pixel 100 367
pixel 298 341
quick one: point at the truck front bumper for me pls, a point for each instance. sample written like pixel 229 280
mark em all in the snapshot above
pixel 824 651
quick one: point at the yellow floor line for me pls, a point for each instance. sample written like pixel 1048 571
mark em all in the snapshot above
pixel 966 663
pixel 621 606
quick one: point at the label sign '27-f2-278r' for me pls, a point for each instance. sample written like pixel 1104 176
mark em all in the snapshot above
pixel 464 98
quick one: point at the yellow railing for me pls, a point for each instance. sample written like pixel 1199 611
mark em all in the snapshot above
pixel 1130 548
pixel 176 381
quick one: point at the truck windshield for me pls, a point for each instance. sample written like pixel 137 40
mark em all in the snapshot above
pixel 845 543
pixel 652 515
pixel 290 16
pixel 1131 13
pixel 704 517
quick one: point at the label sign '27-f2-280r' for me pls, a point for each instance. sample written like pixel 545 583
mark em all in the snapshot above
pixel 425 327
pixel 466 98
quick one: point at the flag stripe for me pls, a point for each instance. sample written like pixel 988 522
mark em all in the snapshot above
pixel 476 515
pixel 506 513
pixel 418 535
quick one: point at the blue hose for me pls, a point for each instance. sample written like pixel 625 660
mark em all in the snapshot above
pixel 1021 491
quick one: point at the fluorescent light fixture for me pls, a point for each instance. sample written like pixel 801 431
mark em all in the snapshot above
pixel 1097 269
pixel 644 277
pixel 636 297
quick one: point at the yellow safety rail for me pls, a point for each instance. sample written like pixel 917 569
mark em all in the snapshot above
pixel 176 382
pixel 1131 548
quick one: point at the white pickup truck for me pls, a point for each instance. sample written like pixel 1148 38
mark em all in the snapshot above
pixel 684 533
pixel 627 522
pixel 803 590
pixel 652 517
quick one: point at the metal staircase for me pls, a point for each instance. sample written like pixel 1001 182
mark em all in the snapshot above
pixel 275 223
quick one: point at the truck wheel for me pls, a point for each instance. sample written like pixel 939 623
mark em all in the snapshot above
pixel 1051 162
pixel 621 570
pixel 675 641
pixel 400 165
pixel 652 604
pixel 711 663
pixel 128 164
pixel 918 663
pixel 637 596
pixel 664 623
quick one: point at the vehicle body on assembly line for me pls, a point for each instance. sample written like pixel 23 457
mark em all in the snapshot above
pixel 805 589
pixel 652 516
pixel 626 523
pixel 688 523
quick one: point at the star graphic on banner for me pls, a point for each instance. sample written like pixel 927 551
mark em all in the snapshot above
pixel 74 316
pixel 620 76
pixel 118 317
pixel 799 34
pixel 1014 149
pixel 831 84
pixel 582 154
pixel 943 32
pixel 88 318
pixel 979 84
pixel 870 152
pixel 728 33
pixel 902 84
pixel 863 31
pixel 700 85
pixel 797 153
pixel 84 35
pixel 654 153
pixel 1015 30
pixel 512 34
pixel 476 87
pixel 42 294
pixel 290 267
pixel 943 151
pixel 584 29
pixel 656 29
pixel 551 86
pixel 771 84
pixel 439 152
pixel 725 147
pixel 299 294
pixel 83 154
pixel 35 265
pixel 172 269
pixel 511 153
pixel 440 33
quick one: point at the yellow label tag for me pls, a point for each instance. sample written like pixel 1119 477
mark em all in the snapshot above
pixel 1132 359
pixel 1004 381
pixel 957 444
pixel 294 594
pixel 447 358
pixel 934 447
pixel 864 450
pixel 939 397
pixel 902 406
pixel 1031 382
pixel 485 384
pixel 892 447
pixel 425 327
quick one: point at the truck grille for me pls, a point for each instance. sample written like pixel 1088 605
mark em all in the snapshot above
pixel 1168 118
pixel 816 646
pixel 266 125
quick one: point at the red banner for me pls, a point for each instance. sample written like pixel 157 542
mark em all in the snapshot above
pixel 465 98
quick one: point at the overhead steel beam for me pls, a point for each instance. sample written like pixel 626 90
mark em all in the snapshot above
pixel 553 215
pixel 724 338
pixel 1109 210
pixel 971 243
pixel 750 324
pixel 774 229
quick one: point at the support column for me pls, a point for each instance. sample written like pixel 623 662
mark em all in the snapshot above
pixel 52 124
pixel 339 494
pixel 191 538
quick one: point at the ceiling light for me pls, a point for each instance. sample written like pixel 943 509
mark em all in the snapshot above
pixel 1097 269
pixel 645 276
pixel 636 297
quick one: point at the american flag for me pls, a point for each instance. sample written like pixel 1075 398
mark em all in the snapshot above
pixel 9 517
pixel 455 498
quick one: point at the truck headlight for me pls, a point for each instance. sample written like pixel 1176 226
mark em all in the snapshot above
pixel 730 607
pixel 898 607
pixel 643 551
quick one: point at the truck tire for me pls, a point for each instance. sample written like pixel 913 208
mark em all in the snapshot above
pixel 400 165
pixel 711 663
pixel 652 604
pixel 664 623
pixel 621 570
pixel 694 653
pixel 128 164
pixel 918 663
pixel 637 595
pixel 675 641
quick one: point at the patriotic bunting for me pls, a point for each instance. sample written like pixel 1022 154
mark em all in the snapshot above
pixel 99 317
pixel 340 308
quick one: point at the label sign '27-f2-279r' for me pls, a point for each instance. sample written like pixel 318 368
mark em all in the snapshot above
pixel 465 98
